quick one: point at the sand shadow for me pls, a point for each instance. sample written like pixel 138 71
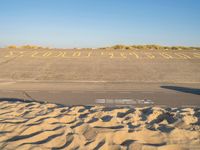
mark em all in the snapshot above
pixel 14 100
pixel 183 89
pixel 18 100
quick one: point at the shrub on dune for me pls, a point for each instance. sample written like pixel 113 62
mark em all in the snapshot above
pixel 30 47
pixel 12 47
pixel 26 47
pixel 33 47
pixel 118 47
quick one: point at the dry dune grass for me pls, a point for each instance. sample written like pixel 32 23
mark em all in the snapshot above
pixel 12 47
pixel 33 125
pixel 26 47
pixel 155 47
pixel 115 47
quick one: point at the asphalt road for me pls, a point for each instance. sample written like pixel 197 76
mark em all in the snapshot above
pixel 103 77
pixel 110 94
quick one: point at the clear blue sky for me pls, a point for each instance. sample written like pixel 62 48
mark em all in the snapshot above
pixel 97 23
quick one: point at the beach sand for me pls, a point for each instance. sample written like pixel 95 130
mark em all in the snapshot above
pixel 35 126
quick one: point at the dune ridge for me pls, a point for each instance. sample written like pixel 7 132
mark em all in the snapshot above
pixel 35 126
pixel 116 47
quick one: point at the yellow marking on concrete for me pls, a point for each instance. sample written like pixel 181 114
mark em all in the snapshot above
pixel 35 54
pixel 22 53
pixel 149 55
pixel 64 55
pixel 89 54
pixel 166 55
pixel 47 54
pixel 133 53
pixel 76 54
pixel 11 54
pixel 197 55
pixel 123 55
pixel 183 56
pixel 111 55
pixel 60 54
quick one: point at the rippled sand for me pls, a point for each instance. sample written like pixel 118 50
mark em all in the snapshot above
pixel 35 126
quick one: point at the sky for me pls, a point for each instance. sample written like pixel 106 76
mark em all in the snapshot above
pixel 99 23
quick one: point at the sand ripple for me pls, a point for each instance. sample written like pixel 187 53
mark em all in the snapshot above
pixel 33 125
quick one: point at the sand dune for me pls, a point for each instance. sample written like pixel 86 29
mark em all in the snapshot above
pixel 35 126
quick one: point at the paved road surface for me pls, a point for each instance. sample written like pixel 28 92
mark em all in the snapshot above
pixel 112 94
pixel 120 77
